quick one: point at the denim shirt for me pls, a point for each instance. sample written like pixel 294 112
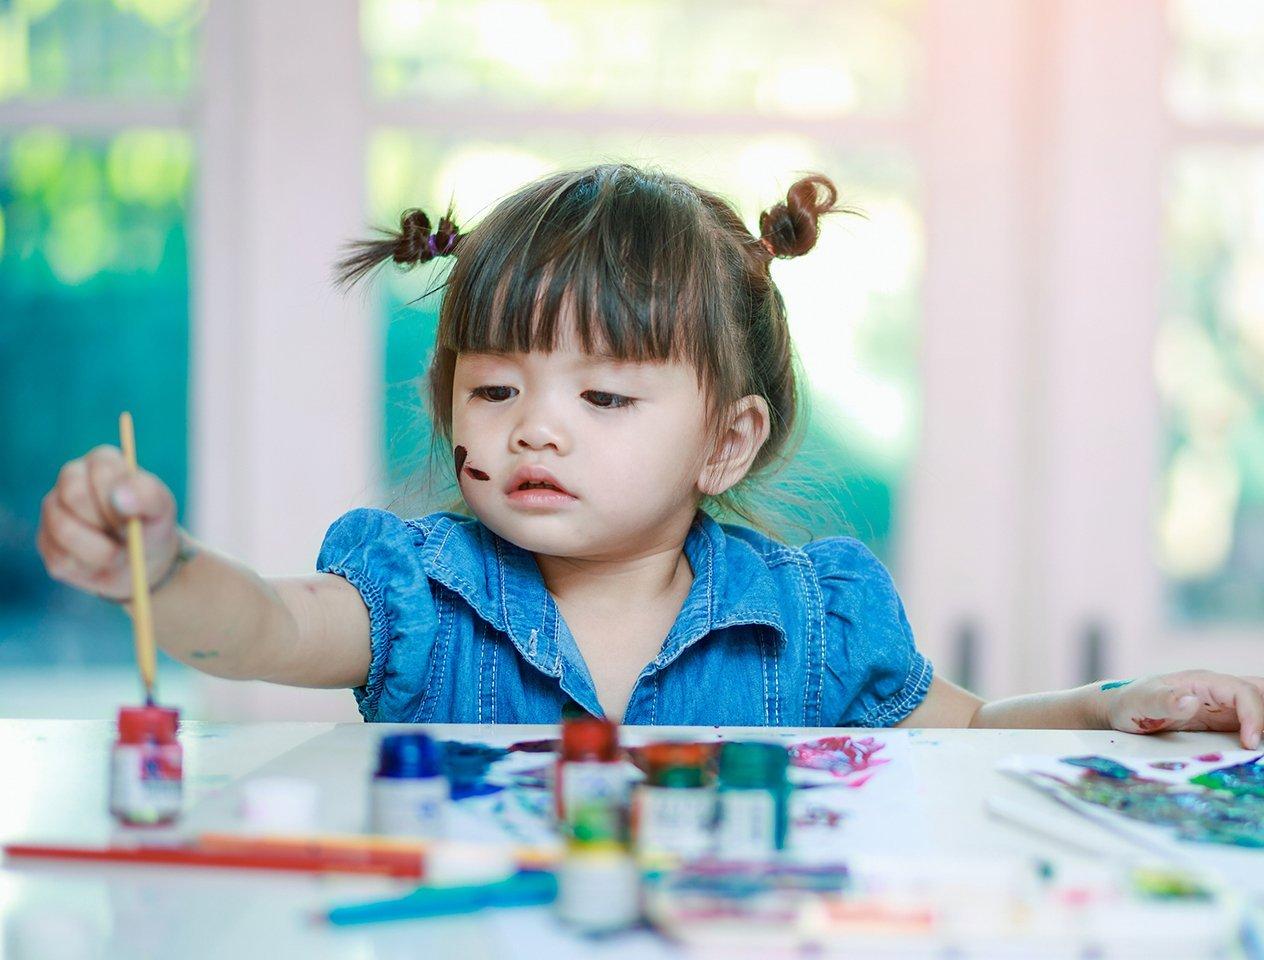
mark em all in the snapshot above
pixel 464 630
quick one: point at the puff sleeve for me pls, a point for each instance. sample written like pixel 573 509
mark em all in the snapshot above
pixel 874 674
pixel 380 555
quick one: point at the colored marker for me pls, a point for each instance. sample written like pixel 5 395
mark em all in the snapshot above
pixel 527 888
pixel 247 857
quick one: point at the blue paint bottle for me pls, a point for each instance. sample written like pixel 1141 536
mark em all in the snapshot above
pixel 409 790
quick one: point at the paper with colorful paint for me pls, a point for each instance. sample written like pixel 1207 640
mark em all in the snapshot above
pixel 1213 798
pixel 850 793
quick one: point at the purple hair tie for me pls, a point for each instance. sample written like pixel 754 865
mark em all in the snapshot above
pixel 433 247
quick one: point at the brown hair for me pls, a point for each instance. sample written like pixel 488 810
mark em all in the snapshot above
pixel 654 268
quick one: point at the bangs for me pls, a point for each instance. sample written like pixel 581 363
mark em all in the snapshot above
pixel 617 259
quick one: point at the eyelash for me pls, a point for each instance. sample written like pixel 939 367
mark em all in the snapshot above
pixel 626 401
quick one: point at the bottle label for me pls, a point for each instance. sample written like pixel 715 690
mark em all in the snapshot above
pixel 747 825
pixel 146 782
pixel 409 808
pixel 674 822
pixel 588 783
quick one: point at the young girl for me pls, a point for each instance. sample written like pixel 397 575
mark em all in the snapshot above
pixel 612 355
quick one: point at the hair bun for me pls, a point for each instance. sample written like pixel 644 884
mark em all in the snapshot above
pixel 790 229
pixel 414 231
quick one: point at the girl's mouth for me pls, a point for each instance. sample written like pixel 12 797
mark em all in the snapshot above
pixel 540 497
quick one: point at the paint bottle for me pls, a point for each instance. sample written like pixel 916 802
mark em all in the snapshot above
pixel 598 883
pixel 590 774
pixel 146 766
pixel 409 790
pixel 752 800
pixel 674 809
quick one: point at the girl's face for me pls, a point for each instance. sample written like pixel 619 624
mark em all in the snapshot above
pixel 626 440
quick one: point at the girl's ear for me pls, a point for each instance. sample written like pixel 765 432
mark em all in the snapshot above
pixel 744 434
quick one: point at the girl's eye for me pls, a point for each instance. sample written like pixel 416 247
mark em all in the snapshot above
pixel 490 393
pixel 608 401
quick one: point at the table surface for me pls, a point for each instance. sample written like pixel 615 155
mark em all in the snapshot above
pixel 53 788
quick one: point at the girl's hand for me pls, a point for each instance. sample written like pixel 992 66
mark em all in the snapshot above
pixel 1188 700
pixel 83 524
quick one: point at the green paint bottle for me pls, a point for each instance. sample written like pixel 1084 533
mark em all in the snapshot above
pixel 752 801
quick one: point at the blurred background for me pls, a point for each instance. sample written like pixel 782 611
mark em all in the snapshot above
pixel 1036 365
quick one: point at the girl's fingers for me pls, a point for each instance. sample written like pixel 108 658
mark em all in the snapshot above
pixel 1249 703
pixel 91 549
pixel 74 490
pixel 106 470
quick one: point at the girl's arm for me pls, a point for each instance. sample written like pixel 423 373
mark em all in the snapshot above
pixel 209 611
pixel 1187 700
pixel 221 617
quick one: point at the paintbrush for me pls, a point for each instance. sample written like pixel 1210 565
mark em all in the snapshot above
pixel 142 620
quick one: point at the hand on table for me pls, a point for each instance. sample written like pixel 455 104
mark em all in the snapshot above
pixel 1188 700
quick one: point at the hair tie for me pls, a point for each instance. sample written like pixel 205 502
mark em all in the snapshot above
pixel 432 244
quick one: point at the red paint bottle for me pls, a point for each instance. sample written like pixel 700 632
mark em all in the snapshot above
pixel 146 766
pixel 589 772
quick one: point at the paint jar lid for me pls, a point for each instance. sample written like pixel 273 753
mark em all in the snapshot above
pixel 408 755
pixel 147 724
pixel 590 738
pixel 752 765
pixel 676 764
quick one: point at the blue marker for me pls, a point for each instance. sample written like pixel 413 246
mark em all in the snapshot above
pixel 527 888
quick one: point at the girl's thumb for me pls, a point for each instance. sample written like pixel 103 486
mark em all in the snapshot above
pixel 124 500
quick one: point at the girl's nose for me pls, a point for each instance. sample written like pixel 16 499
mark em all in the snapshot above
pixel 537 430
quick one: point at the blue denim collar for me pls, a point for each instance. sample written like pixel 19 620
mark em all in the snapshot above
pixel 503 585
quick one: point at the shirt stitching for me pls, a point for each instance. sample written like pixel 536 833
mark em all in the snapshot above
pixel 438 670
pixel 776 690
pixel 910 693
pixel 763 663
pixel 816 629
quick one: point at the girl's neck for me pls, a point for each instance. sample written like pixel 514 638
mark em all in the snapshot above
pixel 657 572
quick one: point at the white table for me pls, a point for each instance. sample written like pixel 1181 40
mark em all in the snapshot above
pixel 53 788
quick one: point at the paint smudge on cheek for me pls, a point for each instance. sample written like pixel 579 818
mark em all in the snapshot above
pixel 460 454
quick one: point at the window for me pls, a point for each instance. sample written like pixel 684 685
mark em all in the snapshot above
pixel 1210 357
pixel 96 167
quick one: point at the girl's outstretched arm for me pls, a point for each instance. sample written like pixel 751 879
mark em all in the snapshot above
pixel 209 611
pixel 219 616
pixel 1186 700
